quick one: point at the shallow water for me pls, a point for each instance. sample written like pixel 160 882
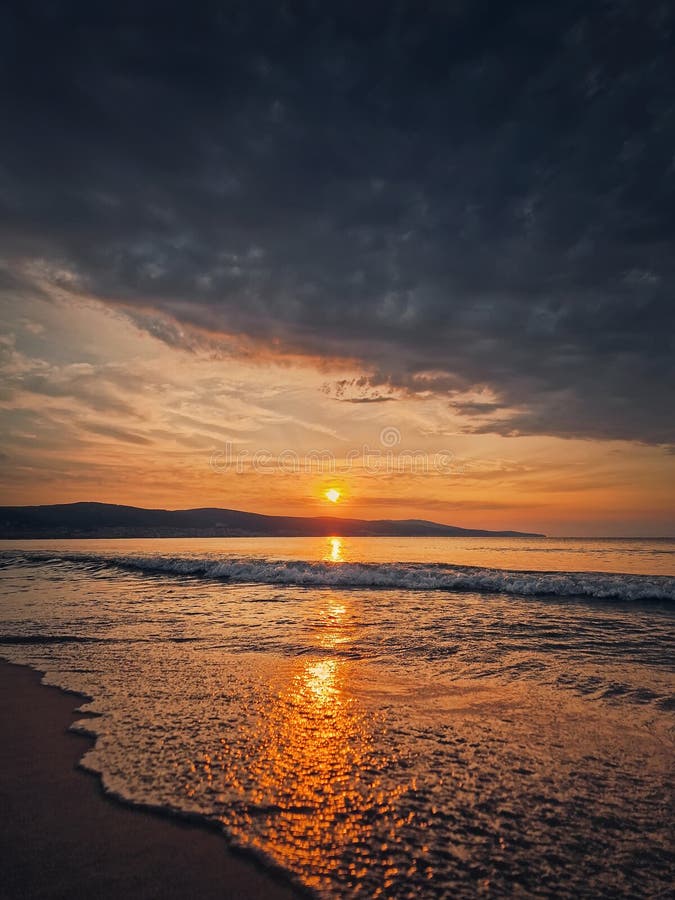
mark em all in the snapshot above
pixel 373 731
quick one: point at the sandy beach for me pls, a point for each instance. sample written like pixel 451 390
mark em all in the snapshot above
pixel 61 837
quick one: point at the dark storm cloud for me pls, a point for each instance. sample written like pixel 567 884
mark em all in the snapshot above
pixel 461 195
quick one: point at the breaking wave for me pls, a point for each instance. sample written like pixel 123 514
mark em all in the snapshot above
pixel 403 576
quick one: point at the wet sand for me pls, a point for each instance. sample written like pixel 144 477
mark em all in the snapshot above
pixel 60 836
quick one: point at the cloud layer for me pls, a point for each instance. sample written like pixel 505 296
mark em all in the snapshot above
pixel 466 197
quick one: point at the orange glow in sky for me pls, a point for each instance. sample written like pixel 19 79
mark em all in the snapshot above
pixel 117 415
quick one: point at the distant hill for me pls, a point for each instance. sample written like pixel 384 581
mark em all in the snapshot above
pixel 107 520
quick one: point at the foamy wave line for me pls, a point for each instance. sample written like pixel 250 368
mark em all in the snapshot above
pixel 405 576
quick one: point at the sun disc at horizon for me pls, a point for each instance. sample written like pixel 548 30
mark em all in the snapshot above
pixel 332 494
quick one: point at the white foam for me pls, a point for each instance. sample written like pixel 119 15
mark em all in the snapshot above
pixel 404 576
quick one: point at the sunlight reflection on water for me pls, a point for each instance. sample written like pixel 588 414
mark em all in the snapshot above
pixel 315 769
pixel 374 743
pixel 336 551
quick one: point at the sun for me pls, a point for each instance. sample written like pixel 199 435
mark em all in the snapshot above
pixel 332 494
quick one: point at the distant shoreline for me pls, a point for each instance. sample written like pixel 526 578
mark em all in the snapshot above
pixel 280 537
pixel 103 536
pixel 76 521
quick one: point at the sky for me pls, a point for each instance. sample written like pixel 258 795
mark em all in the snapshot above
pixel 419 252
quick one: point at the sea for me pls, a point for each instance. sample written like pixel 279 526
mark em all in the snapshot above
pixel 377 717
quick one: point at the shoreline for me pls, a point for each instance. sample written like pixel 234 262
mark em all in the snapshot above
pixel 61 835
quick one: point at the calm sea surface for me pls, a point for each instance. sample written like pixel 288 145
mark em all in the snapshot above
pixel 379 717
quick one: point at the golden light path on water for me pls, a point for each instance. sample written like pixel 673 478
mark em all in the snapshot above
pixel 315 778
pixel 317 754
pixel 336 552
